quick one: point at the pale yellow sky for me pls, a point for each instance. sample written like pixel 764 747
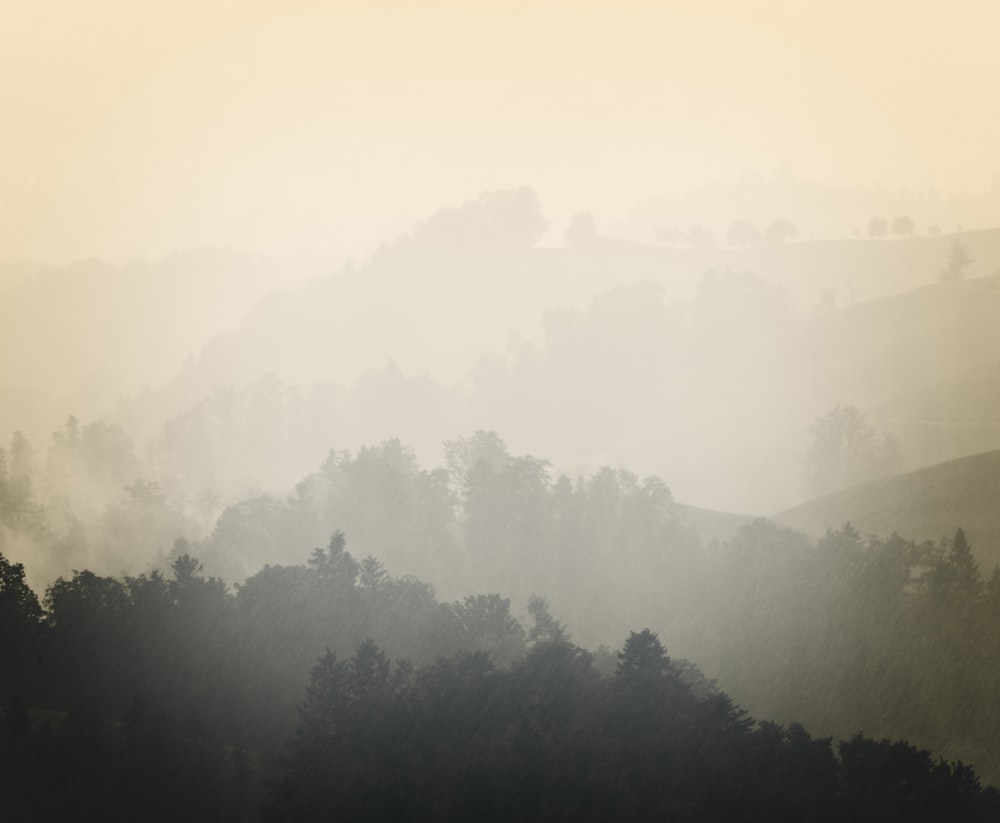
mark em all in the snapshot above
pixel 137 128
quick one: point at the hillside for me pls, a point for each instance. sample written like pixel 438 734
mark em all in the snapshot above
pixel 887 348
pixel 954 417
pixel 928 503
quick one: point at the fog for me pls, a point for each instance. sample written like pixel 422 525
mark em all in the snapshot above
pixel 546 300
pixel 313 128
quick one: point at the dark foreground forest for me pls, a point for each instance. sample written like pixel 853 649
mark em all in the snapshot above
pixel 333 690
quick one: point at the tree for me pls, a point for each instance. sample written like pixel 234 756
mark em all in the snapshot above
pixel 780 230
pixel 486 623
pixel 651 702
pixel 958 262
pixel 903 226
pixel 642 660
pixel 878 227
pixel 335 565
pixel 961 559
pixel 350 742
pixel 743 233
pixel 956 576
pixel 546 628
pixel 845 451
pixel 464 454
pixel 496 220
pixel 701 238
pixel 17 600
pixel 20 616
pixel 85 461
pixel 18 507
pixel 894 780
pixel 89 638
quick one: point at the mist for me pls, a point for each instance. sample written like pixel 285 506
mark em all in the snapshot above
pixel 447 351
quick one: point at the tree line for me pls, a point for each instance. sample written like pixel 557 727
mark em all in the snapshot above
pixel 335 689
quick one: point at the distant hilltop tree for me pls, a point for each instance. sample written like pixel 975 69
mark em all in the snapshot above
pixel 497 220
pixel 846 450
pixel 878 227
pixel 780 230
pixel 582 231
pixel 903 226
pixel 934 230
pixel 743 233
pixel 959 260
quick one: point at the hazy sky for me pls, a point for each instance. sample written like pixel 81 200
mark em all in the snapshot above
pixel 136 128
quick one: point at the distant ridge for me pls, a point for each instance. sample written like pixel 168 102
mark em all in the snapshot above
pixel 713 525
pixel 925 504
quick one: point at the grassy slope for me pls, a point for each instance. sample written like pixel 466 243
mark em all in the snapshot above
pixel 928 503
pixel 954 417
pixel 889 347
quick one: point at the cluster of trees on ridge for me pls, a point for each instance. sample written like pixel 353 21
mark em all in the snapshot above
pixel 884 634
pixel 740 233
pixel 334 689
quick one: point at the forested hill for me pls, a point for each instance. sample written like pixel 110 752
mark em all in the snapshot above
pixel 704 365
pixel 946 417
pixel 828 633
pixel 711 391
pixel 334 689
